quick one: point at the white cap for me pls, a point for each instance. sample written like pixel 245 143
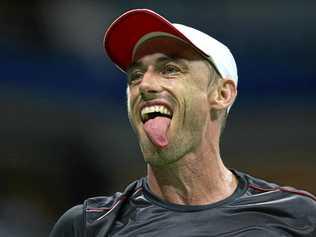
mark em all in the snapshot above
pixel 215 51
pixel 128 30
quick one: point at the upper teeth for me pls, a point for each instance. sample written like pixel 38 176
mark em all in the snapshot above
pixel 156 108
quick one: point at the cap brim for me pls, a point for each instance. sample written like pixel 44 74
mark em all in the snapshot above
pixel 124 33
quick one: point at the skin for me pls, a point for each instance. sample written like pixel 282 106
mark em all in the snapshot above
pixel 189 170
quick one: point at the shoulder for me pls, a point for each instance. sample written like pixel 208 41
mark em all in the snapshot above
pixel 257 185
pixel 98 208
pixel 73 223
pixel 69 224
pixel 299 202
pixel 94 210
pixel 286 209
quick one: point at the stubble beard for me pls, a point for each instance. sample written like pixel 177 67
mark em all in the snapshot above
pixel 183 142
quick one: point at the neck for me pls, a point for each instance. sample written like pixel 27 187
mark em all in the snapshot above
pixel 198 178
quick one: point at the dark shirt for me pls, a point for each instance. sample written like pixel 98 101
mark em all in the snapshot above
pixel 257 208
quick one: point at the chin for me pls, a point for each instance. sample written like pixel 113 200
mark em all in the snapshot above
pixel 160 157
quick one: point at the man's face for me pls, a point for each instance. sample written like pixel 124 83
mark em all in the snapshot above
pixel 168 100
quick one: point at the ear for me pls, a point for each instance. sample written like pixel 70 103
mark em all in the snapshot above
pixel 223 95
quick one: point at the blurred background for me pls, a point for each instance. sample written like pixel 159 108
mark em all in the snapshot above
pixel 64 131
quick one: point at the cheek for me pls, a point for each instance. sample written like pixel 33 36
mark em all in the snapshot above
pixel 196 104
pixel 129 103
pixel 131 94
pixel 195 94
pixel 131 98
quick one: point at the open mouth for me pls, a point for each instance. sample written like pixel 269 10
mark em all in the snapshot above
pixel 151 112
pixel 156 120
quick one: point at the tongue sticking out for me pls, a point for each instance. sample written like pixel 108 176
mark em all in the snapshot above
pixel 156 130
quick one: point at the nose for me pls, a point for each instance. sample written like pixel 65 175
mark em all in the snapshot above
pixel 149 87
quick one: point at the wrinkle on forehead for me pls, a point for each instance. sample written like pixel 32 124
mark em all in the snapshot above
pixel 171 47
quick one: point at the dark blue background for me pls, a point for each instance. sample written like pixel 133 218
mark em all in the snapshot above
pixel 63 127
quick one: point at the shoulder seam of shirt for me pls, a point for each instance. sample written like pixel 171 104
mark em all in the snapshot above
pixel 284 189
pixel 299 192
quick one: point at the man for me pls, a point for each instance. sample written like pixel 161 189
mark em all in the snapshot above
pixel 181 85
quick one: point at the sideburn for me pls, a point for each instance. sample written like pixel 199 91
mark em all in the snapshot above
pixel 213 83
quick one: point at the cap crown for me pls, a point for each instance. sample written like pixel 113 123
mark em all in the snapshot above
pixel 215 51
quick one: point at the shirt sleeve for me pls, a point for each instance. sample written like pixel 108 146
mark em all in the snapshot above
pixel 70 224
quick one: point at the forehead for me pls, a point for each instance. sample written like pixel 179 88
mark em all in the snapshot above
pixel 164 46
